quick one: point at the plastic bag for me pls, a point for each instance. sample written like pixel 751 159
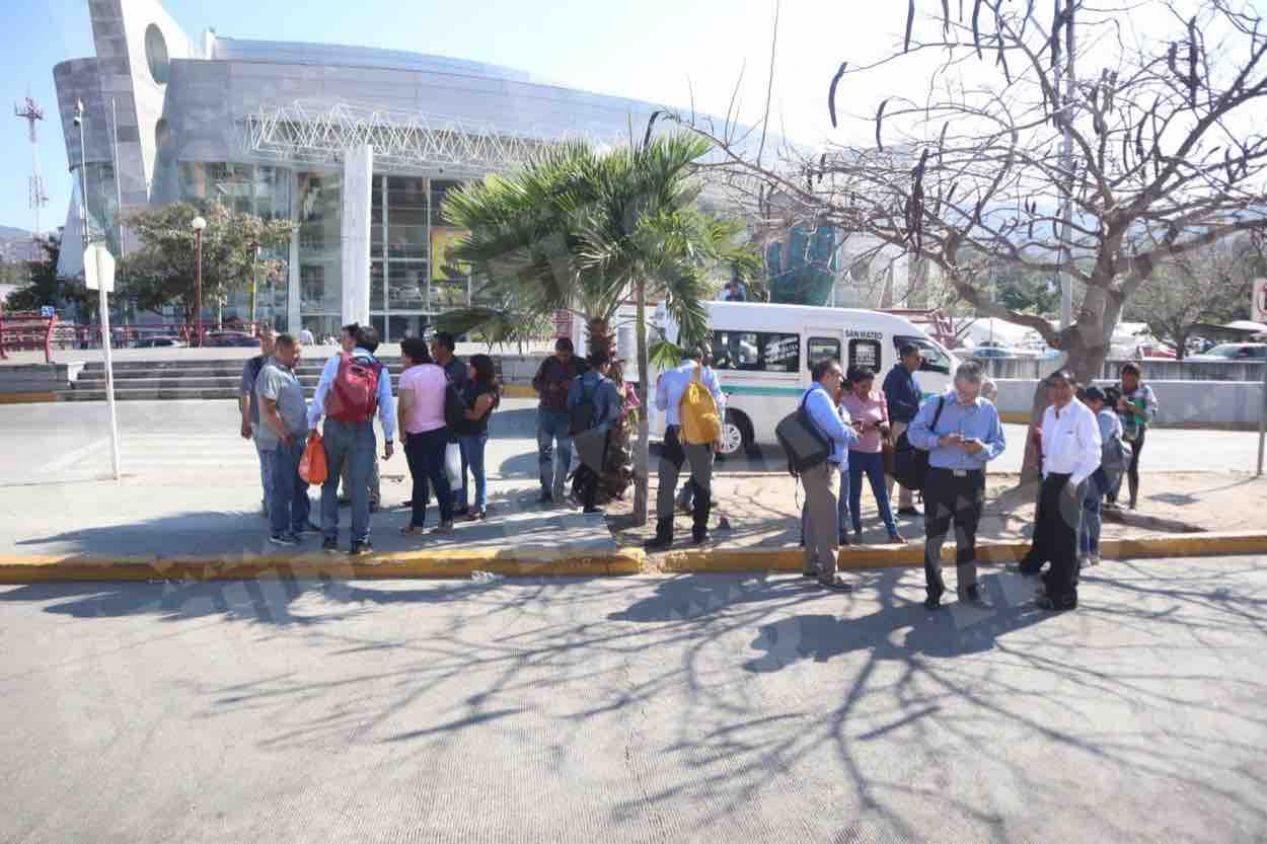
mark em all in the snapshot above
pixel 453 465
pixel 313 466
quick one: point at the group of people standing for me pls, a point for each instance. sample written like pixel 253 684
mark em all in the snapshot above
pixel 445 405
pixel 1089 440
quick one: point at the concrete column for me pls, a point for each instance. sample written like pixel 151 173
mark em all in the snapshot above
pixel 294 322
pixel 358 183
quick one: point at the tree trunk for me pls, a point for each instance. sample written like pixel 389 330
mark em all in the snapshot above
pixel 600 336
pixel 1086 346
pixel 617 470
pixel 642 454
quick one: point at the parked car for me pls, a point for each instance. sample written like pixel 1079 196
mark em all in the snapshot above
pixel 159 342
pixel 1233 352
pixel 983 352
pixel 223 339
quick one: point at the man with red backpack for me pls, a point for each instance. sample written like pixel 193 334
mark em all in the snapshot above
pixel 354 386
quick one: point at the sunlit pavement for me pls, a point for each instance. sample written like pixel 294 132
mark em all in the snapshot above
pixel 638 709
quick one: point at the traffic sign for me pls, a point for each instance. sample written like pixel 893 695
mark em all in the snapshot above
pixel 99 267
pixel 1258 308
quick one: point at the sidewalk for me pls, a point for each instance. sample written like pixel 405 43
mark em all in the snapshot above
pixel 762 510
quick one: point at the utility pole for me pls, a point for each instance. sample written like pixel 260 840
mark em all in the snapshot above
pixel 1065 278
pixel 31 113
pixel 102 285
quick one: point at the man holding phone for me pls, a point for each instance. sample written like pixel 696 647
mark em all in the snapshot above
pixel 961 431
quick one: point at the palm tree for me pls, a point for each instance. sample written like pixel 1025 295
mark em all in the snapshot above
pixel 582 231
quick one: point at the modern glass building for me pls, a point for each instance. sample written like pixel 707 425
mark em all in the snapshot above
pixel 358 146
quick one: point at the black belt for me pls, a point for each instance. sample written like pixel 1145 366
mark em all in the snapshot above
pixel 959 473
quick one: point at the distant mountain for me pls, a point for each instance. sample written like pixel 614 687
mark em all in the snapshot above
pixel 17 245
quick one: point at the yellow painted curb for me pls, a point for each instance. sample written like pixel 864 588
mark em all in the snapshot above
pixel 545 562
pixel 27 398
pixel 408 564
pixel 892 556
pixel 518 391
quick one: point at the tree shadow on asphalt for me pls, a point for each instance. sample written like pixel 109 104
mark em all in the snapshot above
pixel 515 518
pixel 880 705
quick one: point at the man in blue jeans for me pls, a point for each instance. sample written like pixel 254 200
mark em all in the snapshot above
pixel 354 386
pixel 280 437
pixel 554 438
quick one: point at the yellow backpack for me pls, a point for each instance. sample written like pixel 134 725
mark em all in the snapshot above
pixel 701 420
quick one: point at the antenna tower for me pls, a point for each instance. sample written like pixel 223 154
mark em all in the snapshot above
pixel 30 112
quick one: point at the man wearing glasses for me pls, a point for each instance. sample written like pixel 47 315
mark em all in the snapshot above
pixel 961 432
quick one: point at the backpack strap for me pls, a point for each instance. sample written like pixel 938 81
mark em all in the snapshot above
pixel 941 405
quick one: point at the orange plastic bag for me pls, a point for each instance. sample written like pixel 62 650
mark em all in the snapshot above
pixel 312 466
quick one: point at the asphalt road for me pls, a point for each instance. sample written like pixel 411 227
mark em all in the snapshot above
pixel 692 708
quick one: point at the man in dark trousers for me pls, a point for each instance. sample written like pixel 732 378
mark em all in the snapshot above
pixel 443 344
pixel 1071 454
pixel 903 397
pixel 961 431
pixel 554 440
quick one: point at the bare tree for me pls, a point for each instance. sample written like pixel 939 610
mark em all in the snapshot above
pixel 1155 153
pixel 1210 285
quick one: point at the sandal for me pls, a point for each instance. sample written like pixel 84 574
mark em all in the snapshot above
pixel 413 530
pixel 476 516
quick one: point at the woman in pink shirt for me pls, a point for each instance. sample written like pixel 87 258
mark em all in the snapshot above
pixel 422 430
pixel 870 415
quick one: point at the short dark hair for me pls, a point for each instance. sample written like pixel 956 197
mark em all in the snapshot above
pixel 415 348
pixel 693 351
pixel 860 373
pixel 820 367
pixel 1131 368
pixel 1093 394
pixel 351 328
pixel 287 340
pixel 564 344
pixel 599 358
pixel 445 339
pixel 367 338
pixel 907 349
pixel 1062 375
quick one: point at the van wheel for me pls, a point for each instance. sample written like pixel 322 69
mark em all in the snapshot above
pixel 736 434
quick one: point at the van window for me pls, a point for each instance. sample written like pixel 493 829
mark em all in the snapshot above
pixel 756 351
pixel 865 353
pixel 934 358
pixel 819 348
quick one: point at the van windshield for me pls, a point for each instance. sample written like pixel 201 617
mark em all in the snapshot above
pixel 935 357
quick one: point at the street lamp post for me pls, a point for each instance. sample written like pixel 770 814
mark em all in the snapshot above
pixel 198 224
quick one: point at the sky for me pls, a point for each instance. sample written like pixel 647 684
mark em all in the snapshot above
pixel 661 51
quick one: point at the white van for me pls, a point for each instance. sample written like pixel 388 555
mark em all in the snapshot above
pixel 762 354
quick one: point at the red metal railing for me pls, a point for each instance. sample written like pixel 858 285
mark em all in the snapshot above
pixel 27 331
pixel 127 336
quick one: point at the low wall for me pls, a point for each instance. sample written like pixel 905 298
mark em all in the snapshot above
pixel 1181 404
pixel 30 382
pixel 1020 369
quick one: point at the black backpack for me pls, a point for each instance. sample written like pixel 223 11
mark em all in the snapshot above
pixel 581 417
pixel 910 464
pixel 804 445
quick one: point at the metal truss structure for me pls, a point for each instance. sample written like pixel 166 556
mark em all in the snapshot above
pixel 407 142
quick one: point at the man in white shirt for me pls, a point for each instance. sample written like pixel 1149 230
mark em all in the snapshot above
pixel 1071 454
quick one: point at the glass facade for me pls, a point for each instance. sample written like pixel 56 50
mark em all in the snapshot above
pixel 411 277
pixel 407 284
pixel 251 189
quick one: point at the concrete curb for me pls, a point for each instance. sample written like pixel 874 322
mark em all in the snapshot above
pixel 408 564
pixel 17 569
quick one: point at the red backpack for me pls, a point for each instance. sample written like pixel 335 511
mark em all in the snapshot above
pixel 353 395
